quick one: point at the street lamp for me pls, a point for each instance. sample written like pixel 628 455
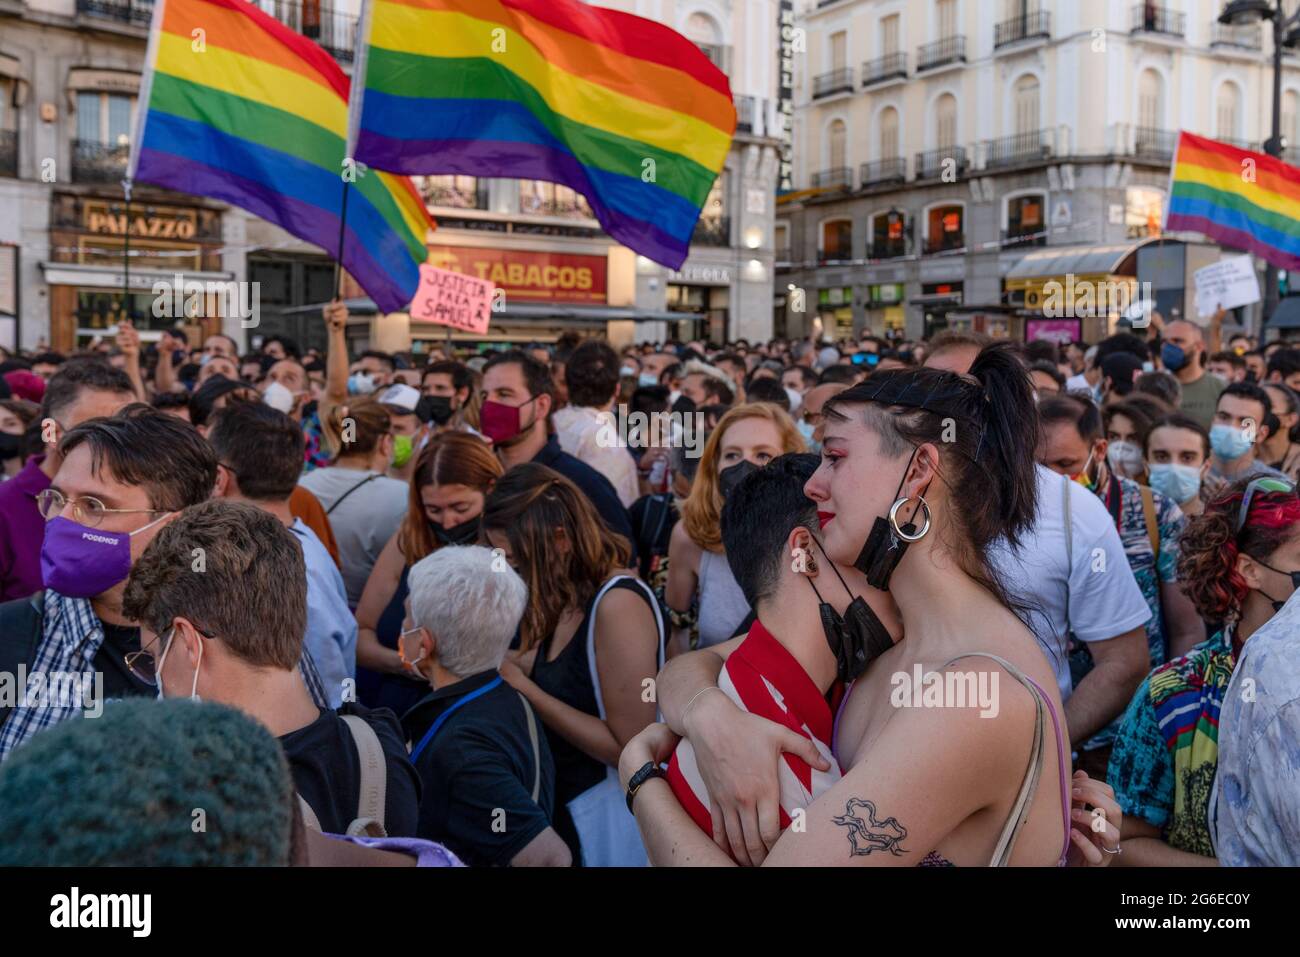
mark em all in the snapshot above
pixel 1286 33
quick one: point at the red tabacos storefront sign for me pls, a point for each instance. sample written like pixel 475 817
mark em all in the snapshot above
pixel 530 276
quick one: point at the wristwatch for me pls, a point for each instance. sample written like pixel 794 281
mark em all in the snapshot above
pixel 648 770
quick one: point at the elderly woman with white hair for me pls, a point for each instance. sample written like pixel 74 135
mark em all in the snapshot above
pixel 483 760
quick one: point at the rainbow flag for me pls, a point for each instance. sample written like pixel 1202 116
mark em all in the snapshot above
pixel 1254 207
pixel 624 110
pixel 252 113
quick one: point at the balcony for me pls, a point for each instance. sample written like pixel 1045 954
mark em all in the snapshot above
pixel 1248 37
pixel 746 111
pixel 931 56
pixel 840 176
pixel 893 170
pixel 1019 148
pixel 127 12
pixel 1024 237
pixel 887 249
pixel 945 242
pixel 836 81
pixel 1154 18
pixel 332 28
pixel 837 254
pixel 9 153
pixel 1241 144
pixel 931 165
pixel 1150 143
pixel 713 231
pixel 1025 27
pixel 888 67
pixel 783 254
pixel 95 162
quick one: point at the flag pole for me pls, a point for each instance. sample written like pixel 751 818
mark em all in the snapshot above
pixel 126 253
pixel 343 223
pixel 137 136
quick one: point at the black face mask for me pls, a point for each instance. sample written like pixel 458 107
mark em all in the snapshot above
pixel 857 638
pixel 462 534
pixel 883 549
pixel 684 406
pixel 434 408
pixel 733 475
pixel 1295 586
pixel 9 445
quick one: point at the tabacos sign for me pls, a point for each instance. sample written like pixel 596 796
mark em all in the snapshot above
pixel 529 276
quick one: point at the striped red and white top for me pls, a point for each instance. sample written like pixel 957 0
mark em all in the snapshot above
pixel 763 678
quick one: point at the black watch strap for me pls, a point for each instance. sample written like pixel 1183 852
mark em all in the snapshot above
pixel 648 770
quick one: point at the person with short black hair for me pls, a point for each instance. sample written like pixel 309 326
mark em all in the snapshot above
pixel 46 364
pixel 1256 366
pixel 83 389
pixel 1162 385
pixel 447 395
pixel 769 390
pixel 374 367
pixel 259 456
pixel 280 348
pixel 1243 422
pixel 1183 354
pixel 518 396
pixel 120 477
pixel 1046 379
pixel 1177 454
pixel 586 427
pixel 1228 367
pixel 845 374
pixel 245 653
pixel 1119 370
pixel 1284 367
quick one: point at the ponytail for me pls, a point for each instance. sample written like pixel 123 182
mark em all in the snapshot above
pixel 1009 437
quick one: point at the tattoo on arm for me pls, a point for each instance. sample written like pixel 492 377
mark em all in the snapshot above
pixel 866 834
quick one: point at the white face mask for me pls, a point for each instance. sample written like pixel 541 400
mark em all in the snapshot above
pixel 194 688
pixel 278 398
pixel 1125 458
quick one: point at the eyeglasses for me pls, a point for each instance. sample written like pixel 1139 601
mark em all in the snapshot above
pixel 87 510
pixel 1264 485
pixel 144 663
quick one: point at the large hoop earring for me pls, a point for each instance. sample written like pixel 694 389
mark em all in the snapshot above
pixel 893 520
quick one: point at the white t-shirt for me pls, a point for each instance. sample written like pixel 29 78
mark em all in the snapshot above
pixel 1104 598
pixel 1078 383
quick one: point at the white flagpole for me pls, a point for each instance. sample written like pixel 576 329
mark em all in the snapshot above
pixel 146 89
pixel 356 92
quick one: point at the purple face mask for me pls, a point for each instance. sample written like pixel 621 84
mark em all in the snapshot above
pixel 81 562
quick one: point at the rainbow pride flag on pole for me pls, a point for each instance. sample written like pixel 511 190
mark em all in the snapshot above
pixel 627 112
pixel 1237 198
pixel 238 107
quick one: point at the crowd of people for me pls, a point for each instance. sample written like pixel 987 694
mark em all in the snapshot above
pixel 965 602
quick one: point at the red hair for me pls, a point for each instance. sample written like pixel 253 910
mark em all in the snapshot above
pixel 1208 549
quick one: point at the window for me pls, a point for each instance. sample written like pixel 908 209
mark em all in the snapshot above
pixel 889 35
pixel 104 118
pixel 889 133
pixel 838 141
pixel 889 235
pixel 1290 113
pixel 458 192
pixel 1025 216
pixel 1026 105
pixel 839 50
pixel 945 228
pixel 837 240
pixel 945 122
pixel 1226 110
pixel 1151 108
pixel 947 16
pixel 540 198
pixel 704 33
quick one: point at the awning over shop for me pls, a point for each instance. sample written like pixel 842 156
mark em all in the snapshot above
pixel 1286 315
pixel 1051 262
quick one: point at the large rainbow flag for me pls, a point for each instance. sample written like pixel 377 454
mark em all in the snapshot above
pixel 252 113
pixel 624 110
pixel 1253 206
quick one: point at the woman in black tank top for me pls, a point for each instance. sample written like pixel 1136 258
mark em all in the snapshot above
pixel 590 637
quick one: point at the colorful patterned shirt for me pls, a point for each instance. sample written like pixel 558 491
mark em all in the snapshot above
pixel 316 454
pixel 1166 752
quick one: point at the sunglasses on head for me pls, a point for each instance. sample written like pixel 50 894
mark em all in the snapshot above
pixel 1263 485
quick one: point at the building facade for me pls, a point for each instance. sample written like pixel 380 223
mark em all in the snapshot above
pixel 69 82
pixel 954 157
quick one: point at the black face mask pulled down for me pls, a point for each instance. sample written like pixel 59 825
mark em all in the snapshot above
pixel 434 408
pixel 858 637
pixel 1295 586
pixel 465 533
pixel 883 549
pixel 730 477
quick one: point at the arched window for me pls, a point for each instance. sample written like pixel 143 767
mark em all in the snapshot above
pixel 888 235
pixel 1026 105
pixel 838 145
pixel 1227 110
pixel 1026 220
pixel 945 122
pixel 889 147
pixel 703 31
pixel 945 227
pixel 1151 101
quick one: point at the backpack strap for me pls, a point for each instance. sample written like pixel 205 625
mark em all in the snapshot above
pixel 374 777
pixel 309 818
pixel 1029 784
pixel 339 501
pixel 537 750
pixel 1149 516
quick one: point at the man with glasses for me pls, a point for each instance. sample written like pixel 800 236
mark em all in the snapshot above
pixel 82 389
pixel 119 480
pixel 232 632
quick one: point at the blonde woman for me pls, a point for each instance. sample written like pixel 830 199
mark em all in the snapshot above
pixel 746 438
